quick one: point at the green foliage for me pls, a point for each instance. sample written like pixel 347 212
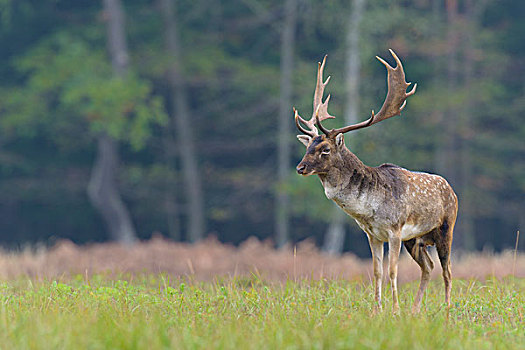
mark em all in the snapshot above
pixel 70 81
pixel 153 312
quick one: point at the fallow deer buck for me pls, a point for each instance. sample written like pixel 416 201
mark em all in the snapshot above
pixel 389 203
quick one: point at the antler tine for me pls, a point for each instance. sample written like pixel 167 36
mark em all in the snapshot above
pixel 319 125
pixel 297 117
pixel 413 91
pixel 385 63
pixel 398 61
pixel 395 100
pixel 320 108
pixel 307 122
pixel 319 105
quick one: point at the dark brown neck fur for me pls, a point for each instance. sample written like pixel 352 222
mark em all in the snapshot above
pixel 348 171
pixel 346 164
pixel 350 174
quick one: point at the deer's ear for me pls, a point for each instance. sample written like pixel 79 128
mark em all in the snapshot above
pixel 305 139
pixel 340 140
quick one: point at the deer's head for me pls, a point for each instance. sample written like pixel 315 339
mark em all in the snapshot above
pixel 323 151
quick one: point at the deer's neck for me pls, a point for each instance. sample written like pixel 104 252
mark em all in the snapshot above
pixel 342 171
pixel 350 184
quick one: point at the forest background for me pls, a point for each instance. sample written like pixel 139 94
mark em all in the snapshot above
pixel 120 120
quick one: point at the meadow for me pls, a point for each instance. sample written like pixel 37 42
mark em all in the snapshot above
pixel 49 302
pixel 154 312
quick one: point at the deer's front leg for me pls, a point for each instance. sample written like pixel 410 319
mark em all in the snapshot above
pixel 394 247
pixel 376 247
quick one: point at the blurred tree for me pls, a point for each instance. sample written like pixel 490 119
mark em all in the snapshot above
pixel 102 188
pixel 181 122
pixel 471 26
pixel 67 79
pixel 282 202
pixel 335 235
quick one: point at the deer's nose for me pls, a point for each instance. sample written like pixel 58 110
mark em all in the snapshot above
pixel 300 168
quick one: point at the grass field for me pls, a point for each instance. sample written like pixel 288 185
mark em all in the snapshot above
pixel 154 312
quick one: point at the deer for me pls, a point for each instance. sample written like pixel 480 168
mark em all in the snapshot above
pixel 389 203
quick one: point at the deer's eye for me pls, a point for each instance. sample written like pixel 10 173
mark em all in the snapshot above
pixel 325 151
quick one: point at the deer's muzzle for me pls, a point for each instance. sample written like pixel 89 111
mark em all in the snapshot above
pixel 301 169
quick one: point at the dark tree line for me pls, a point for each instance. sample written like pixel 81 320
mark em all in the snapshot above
pixel 119 119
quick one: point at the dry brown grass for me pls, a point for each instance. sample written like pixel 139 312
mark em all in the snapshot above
pixel 210 258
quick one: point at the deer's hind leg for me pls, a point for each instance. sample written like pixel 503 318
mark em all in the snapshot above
pixel 443 239
pixel 416 247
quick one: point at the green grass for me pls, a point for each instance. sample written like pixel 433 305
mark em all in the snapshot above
pixel 152 312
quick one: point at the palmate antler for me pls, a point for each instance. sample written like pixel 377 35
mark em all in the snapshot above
pixel 320 110
pixel 394 102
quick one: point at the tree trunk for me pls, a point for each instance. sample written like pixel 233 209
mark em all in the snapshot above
pixel 334 238
pixel 521 229
pixel 445 157
pixel 439 152
pixel 171 207
pixel 451 123
pixel 282 200
pixel 448 152
pixel 102 187
pixel 184 132
pixel 466 217
pixel 104 195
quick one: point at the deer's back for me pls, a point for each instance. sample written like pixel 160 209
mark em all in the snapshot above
pixel 395 198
